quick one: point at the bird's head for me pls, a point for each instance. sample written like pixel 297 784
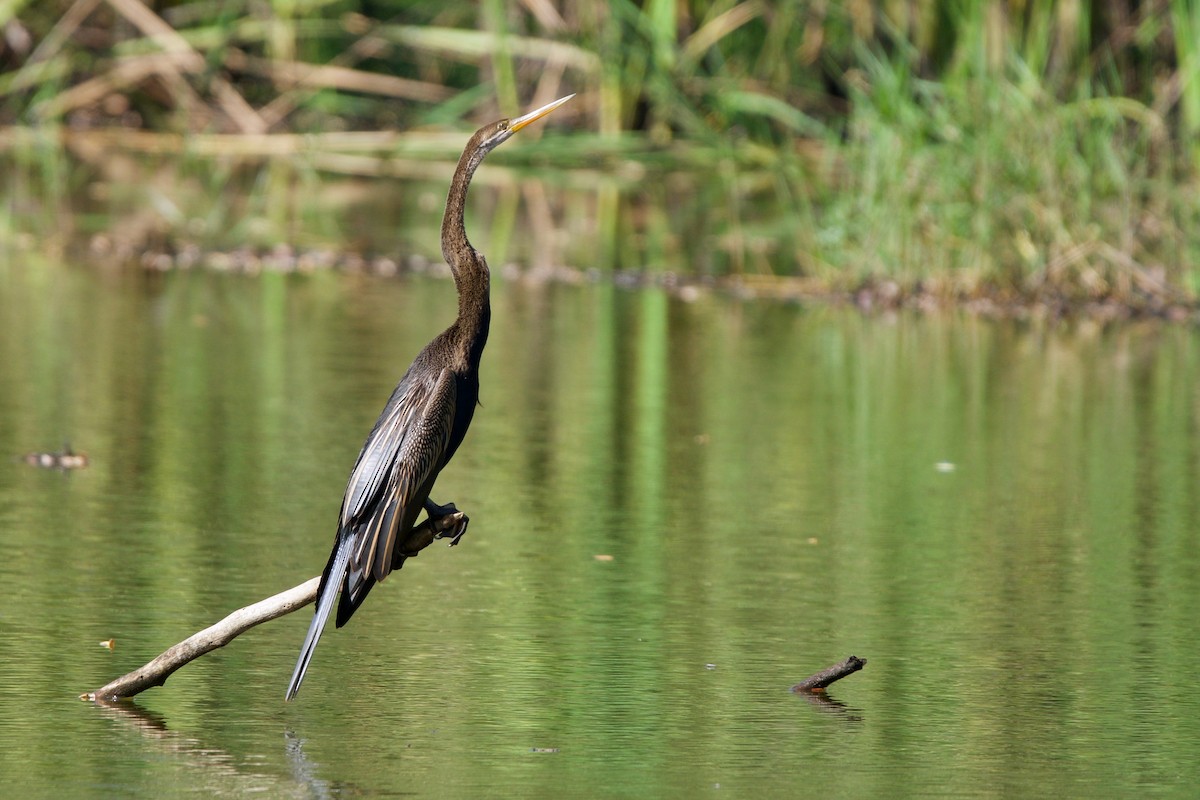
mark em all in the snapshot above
pixel 490 136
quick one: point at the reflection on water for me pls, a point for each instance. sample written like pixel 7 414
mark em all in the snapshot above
pixel 201 769
pixel 1000 516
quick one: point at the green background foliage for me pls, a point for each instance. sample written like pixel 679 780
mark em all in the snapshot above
pixel 1029 149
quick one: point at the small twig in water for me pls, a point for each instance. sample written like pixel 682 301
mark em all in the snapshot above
pixel 818 682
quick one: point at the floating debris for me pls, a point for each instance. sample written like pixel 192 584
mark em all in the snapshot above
pixel 602 557
pixel 109 644
pixel 945 466
pixel 818 682
pixel 67 459
pixel 543 749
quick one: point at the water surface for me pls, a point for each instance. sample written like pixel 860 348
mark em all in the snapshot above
pixel 1000 516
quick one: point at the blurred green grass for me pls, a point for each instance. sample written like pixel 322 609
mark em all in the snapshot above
pixel 1023 148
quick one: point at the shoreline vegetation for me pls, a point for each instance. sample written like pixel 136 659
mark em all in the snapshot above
pixel 999 157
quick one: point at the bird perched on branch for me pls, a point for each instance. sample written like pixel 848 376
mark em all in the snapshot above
pixel 420 428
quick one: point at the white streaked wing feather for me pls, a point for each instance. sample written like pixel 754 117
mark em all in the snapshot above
pixel 421 453
pixel 379 452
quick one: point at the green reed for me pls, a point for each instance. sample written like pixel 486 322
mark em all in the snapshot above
pixel 1023 146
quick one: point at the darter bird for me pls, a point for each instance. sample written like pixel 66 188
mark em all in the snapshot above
pixel 420 428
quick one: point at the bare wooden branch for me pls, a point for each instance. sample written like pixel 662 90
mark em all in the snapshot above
pixel 450 526
pixel 818 682
pixel 157 671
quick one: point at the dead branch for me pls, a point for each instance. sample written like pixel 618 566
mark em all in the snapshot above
pixel 450 525
pixel 818 682
pixel 157 671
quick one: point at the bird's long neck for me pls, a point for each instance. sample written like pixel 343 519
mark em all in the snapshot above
pixel 470 270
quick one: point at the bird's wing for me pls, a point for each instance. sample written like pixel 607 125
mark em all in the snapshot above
pixel 383 443
pixel 402 454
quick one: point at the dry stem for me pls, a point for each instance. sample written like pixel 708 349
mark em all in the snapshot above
pixel 157 671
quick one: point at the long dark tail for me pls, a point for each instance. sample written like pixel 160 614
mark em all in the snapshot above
pixel 331 585
pixel 357 587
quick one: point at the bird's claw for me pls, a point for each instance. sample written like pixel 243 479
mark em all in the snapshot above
pixel 447 521
pixel 444 522
pixel 452 526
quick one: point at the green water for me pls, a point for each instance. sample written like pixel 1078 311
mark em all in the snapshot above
pixel 1001 517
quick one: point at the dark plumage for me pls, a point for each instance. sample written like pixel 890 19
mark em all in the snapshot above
pixel 420 428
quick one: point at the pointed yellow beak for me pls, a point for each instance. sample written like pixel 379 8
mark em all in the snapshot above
pixel 533 116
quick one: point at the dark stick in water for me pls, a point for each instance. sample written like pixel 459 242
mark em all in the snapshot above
pixel 818 682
